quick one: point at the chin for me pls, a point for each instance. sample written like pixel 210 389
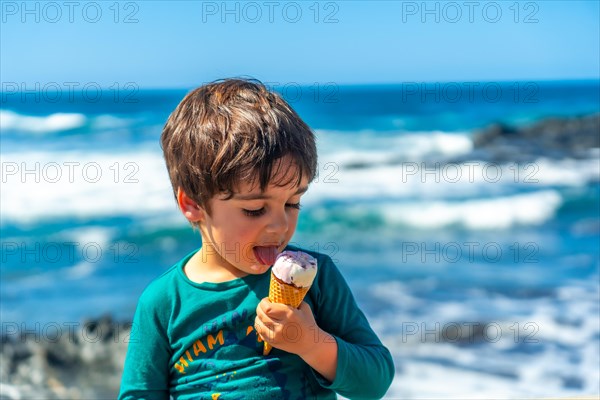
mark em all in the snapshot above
pixel 258 269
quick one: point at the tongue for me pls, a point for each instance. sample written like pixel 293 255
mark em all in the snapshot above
pixel 265 255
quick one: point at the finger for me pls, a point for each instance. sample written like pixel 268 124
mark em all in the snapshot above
pixel 258 327
pixel 264 303
pixel 275 311
pixel 263 316
pixel 264 330
pixel 265 306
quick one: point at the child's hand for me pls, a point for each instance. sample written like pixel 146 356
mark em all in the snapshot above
pixel 295 331
pixel 287 328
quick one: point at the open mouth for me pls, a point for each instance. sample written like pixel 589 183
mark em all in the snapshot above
pixel 265 255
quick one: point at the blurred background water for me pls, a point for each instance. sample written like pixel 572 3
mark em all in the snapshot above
pixel 480 273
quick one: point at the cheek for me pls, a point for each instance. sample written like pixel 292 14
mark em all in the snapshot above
pixel 244 230
pixel 293 222
pixel 224 234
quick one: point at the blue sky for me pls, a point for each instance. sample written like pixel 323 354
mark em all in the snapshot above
pixel 184 43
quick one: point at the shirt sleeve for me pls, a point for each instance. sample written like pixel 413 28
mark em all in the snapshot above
pixel 365 369
pixel 146 370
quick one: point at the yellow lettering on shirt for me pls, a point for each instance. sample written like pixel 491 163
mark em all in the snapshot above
pixel 182 360
pixel 211 341
pixel 199 347
pixel 180 368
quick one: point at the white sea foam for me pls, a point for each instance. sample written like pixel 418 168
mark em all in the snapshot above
pixel 435 143
pixel 335 146
pixel 10 391
pixel 80 270
pixel 136 183
pixel 108 121
pixel 496 213
pixel 89 234
pixel 559 358
pixel 565 172
pixel 428 181
pixel 393 163
pixel 431 203
pixel 38 186
pixel 11 121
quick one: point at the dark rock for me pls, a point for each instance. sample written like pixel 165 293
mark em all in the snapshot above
pixel 551 138
pixel 492 133
pixel 83 362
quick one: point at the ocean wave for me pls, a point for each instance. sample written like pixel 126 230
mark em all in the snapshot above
pixel 495 213
pixel 481 214
pixel 567 172
pixel 442 181
pixel 379 147
pixel 475 195
pixel 41 186
pixel 11 121
pixel 435 143
pixel 542 347
pixel 107 121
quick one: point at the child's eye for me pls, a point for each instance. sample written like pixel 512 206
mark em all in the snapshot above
pixel 254 213
pixel 261 211
pixel 294 205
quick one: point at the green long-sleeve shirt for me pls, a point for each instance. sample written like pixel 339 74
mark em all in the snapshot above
pixel 197 341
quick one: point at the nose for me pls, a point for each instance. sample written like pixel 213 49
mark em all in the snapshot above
pixel 278 223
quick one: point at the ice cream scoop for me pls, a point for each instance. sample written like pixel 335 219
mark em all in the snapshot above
pixel 295 268
pixel 291 277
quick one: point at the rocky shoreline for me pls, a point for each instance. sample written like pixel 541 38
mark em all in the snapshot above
pixel 68 361
pixel 576 137
pixel 555 138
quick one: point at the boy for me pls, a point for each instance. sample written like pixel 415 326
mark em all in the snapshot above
pixel 239 159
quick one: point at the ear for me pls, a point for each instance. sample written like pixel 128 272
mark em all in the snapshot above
pixel 190 209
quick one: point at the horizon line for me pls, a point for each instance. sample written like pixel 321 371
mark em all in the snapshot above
pixel 343 84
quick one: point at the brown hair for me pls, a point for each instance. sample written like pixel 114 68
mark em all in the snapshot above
pixel 233 130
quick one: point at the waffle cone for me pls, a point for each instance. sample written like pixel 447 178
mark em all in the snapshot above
pixel 284 293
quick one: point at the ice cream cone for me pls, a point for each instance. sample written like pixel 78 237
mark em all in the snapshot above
pixel 284 293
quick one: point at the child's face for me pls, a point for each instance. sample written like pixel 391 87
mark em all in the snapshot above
pixel 246 232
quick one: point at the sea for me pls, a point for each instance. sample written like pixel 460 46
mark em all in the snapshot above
pixel 481 277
